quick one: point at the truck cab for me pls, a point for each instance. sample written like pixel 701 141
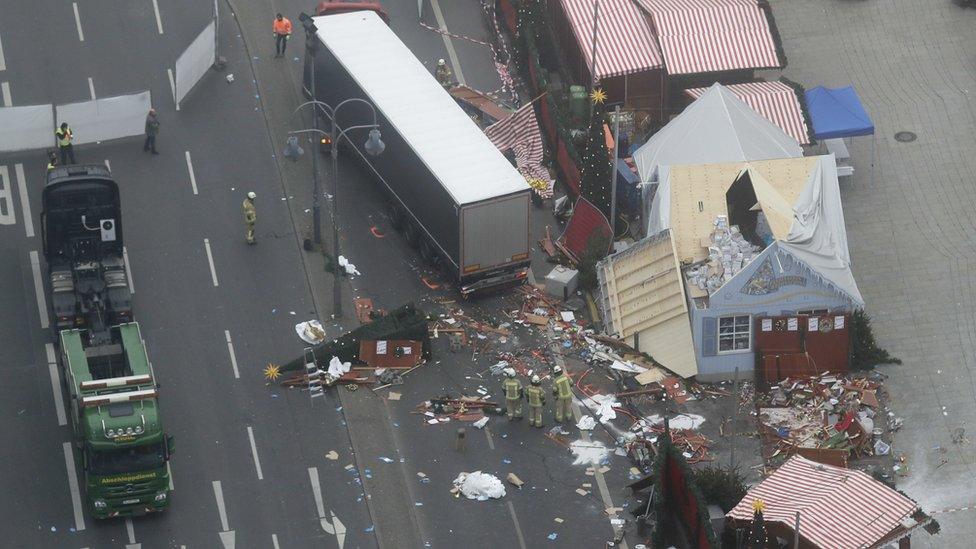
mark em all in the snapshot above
pixel 81 226
pixel 117 428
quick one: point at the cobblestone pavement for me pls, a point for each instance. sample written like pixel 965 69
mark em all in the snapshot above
pixel 911 227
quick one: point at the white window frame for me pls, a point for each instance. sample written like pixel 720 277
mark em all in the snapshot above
pixel 719 335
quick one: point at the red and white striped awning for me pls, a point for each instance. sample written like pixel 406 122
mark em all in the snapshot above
pixel 775 101
pixel 699 36
pixel 520 134
pixel 838 507
pixel 624 41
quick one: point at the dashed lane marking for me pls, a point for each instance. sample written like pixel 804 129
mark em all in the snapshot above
pixel 5 92
pixel 91 88
pixel 213 270
pixel 233 355
pixel 193 177
pixel 81 34
pixel 159 21
pixel 24 200
pixel 52 366
pixel 254 453
pixel 69 464
pixel 35 262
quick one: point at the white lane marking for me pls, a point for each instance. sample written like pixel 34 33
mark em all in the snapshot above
pixel 313 477
pixel 39 288
pixel 52 366
pixel 193 177
pixel 24 200
pixel 5 91
pixel 219 494
pixel 491 441
pixel 130 529
pixel 91 88
pixel 335 526
pixel 254 453
pixel 448 42
pixel 81 34
pixel 172 87
pixel 233 357
pixel 128 270
pixel 159 21
pixel 69 464
pixel 170 471
pixel 518 529
pixel 213 270
pixel 8 216
pixel 274 541
pixel 108 164
pixel 3 60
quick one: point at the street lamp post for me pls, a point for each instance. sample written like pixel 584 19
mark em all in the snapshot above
pixel 373 146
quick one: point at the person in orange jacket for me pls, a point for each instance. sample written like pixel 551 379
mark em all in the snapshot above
pixel 282 31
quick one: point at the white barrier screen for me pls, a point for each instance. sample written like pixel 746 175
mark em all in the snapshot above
pixel 195 61
pixel 104 119
pixel 24 128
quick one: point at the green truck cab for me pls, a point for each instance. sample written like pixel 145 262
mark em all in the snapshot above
pixel 117 429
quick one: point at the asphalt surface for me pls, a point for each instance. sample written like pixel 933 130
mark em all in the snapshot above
pixel 232 133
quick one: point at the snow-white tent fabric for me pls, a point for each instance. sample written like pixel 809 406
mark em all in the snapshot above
pixel 717 127
pixel 818 236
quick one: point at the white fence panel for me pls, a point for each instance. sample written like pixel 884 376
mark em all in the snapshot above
pixel 104 119
pixel 25 128
pixel 195 61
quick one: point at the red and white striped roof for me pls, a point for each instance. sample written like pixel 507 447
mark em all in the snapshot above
pixel 624 41
pixel 839 508
pixel 775 101
pixel 699 36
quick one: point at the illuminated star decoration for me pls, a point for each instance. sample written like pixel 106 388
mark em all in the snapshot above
pixel 272 372
pixel 759 505
pixel 598 95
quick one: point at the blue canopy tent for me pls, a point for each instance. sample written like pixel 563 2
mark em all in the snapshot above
pixel 837 113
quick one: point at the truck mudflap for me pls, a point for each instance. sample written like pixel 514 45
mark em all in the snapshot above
pixel 495 282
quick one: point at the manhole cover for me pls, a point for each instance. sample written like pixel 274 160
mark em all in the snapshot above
pixel 905 137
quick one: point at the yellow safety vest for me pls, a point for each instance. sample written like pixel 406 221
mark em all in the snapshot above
pixel 564 387
pixel 513 389
pixel 64 138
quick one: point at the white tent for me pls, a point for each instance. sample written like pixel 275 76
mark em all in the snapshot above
pixel 717 127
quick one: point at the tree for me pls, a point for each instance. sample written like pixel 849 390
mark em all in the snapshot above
pixel 865 353
pixel 595 166
pixel 758 538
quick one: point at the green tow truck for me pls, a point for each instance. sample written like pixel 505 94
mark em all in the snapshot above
pixel 117 428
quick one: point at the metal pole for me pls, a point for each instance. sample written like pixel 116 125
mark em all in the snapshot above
pixel 596 24
pixel 316 209
pixel 613 171
pixel 735 413
pixel 336 287
pixel 796 532
pixel 216 31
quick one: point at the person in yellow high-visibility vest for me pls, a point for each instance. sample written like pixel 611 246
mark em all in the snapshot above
pixel 537 399
pixel 513 395
pixel 562 388
pixel 64 137
pixel 250 216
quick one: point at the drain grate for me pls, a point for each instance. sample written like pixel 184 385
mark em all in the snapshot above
pixel 905 137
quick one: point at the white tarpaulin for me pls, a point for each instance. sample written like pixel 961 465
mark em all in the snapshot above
pixel 107 118
pixel 195 61
pixel 24 128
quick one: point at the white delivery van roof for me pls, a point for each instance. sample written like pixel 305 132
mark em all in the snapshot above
pixel 452 146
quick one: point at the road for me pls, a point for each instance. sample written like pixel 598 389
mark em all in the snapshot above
pixel 250 465
pixel 249 459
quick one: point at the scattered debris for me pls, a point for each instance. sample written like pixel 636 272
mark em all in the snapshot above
pixel 586 423
pixel 479 486
pixel 513 479
pixel 589 453
pixel 393 395
pixel 310 331
pixel 332 455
